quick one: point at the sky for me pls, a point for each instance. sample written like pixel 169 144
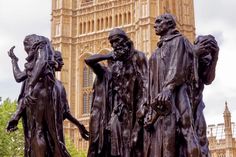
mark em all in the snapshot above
pixel 20 18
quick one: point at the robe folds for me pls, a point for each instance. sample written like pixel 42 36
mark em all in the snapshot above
pixel 170 68
pixel 100 113
pixel 118 92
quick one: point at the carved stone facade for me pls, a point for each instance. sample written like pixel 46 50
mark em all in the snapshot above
pixel 80 28
pixel 222 142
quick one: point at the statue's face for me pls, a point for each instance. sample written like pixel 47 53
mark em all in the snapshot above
pixel 120 46
pixel 59 60
pixel 27 46
pixel 30 41
pixel 161 26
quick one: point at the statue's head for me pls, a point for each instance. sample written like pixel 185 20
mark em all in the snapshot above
pixel 59 60
pixel 164 23
pixel 209 42
pixel 30 40
pixel 120 43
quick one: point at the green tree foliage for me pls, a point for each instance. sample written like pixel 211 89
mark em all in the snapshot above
pixel 11 144
pixel 72 149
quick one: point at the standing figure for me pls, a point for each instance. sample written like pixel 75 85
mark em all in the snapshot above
pixel 205 59
pixel 101 107
pixel 170 114
pixel 35 103
pixel 123 94
pixel 129 95
pixel 61 106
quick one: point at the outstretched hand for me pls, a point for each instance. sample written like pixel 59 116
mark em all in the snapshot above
pixel 83 132
pixel 11 54
pixel 12 125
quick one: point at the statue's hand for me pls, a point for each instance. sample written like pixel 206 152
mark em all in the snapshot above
pixel 29 100
pixel 163 102
pixel 199 49
pixel 164 97
pixel 11 54
pixel 148 122
pixel 83 132
pixel 205 45
pixel 12 125
pixel 214 47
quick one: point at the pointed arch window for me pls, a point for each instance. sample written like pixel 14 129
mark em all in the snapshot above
pixel 125 18
pixel 80 28
pixel 87 77
pixel 110 22
pixel 89 27
pixel 116 20
pixel 106 22
pixel 98 24
pixel 102 23
pixel 84 27
pixel 120 20
pixel 85 103
pixel 129 17
pixel 87 89
pixel 92 29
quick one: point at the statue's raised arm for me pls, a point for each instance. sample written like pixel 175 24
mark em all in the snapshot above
pixel 18 74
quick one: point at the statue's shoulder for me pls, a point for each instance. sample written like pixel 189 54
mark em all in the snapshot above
pixel 140 55
pixel 182 38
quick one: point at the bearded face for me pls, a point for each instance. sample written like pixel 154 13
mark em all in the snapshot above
pixel 120 46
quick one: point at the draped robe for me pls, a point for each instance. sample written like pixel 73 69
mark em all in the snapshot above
pixel 169 68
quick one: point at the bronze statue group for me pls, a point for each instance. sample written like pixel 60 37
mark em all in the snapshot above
pixel 140 107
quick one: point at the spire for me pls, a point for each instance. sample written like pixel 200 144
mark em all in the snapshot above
pixel 227 112
pixel 227 120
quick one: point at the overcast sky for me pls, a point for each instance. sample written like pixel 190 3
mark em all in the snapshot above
pixel 19 18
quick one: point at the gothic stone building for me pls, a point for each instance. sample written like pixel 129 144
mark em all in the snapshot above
pixel 79 28
pixel 222 142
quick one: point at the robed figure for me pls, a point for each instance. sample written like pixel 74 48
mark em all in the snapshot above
pixel 170 114
pixel 35 104
pixel 119 92
pixel 204 66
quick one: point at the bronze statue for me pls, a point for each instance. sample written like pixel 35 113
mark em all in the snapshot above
pixel 139 108
pixel 38 71
pixel 121 88
pixel 61 103
pixel 169 72
pixel 42 112
pixel 205 59
pixel 101 107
